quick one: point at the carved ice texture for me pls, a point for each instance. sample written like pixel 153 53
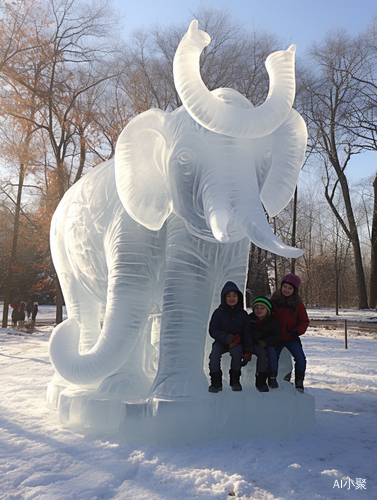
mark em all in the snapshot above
pixel 150 237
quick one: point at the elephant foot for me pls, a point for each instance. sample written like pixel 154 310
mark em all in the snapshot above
pixel 54 388
pixel 179 386
pixel 134 385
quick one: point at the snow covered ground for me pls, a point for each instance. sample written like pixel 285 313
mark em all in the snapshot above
pixel 365 315
pixel 41 460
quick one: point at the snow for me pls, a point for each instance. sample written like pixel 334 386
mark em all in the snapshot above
pixel 365 315
pixel 40 459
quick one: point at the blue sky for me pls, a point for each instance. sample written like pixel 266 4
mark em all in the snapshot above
pixel 298 21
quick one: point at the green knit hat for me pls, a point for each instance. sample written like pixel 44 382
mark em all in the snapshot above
pixel 264 301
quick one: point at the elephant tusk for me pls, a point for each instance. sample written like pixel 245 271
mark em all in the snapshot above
pixel 218 222
pixel 262 236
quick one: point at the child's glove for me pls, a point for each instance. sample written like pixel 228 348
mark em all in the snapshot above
pixel 246 357
pixel 293 332
pixel 262 344
pixel 229 338
pixel 236 340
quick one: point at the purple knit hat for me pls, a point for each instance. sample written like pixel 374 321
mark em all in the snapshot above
pixel 292 279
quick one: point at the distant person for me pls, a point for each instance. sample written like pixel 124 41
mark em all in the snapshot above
pixel 15 313
pixel 22 312
pixel 293 321
pixel 29 308
pixel 34 311
pixel 266 336
pixel 230 328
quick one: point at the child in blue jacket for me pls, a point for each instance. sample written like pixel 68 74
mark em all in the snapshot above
pixel 230 327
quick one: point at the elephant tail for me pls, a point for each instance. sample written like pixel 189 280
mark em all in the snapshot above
pixel 75 368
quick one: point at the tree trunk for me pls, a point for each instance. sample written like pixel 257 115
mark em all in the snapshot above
pixel 59 303
pixel 352 234
pixel 249 281
pixel 294 224
pixel 373 263
pixel 275 261
pixel 337 274
pixel 257 275
pixel 360 277
pixel 13 253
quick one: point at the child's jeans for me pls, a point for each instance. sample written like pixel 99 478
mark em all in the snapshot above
pixel 267 359
pixel 218 349
pixel 295 348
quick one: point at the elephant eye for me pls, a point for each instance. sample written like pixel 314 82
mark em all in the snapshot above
pixel 184 158
pixel 186 162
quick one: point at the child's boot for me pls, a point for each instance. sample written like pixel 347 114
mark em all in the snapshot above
pixel 260 381
pixel 288 377
pixel 216 382
pixel 234 380
pixel 299 380
pixel 272 382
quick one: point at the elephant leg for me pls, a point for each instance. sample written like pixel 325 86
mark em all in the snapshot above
pixel 231 265
pixel 133 289
pixel 189 281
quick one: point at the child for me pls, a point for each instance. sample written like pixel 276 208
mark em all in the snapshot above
pixel 15 313
pixel 293 321
pixel 230 327
pixel 22 312
pixel 266 335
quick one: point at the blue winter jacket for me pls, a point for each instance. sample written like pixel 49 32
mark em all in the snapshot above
pixel 227 321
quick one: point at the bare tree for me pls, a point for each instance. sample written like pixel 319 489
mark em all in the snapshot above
pixel 327 90
pixel 16 145
pixel 75 45
pixel 235 58
pixel 16 38
pixel 364 126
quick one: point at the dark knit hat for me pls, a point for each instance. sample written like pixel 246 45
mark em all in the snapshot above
pixel 263 301
pixel 292 279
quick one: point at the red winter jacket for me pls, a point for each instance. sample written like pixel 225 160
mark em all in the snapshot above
pixel 299 320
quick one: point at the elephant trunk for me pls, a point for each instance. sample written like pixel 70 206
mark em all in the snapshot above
pixel 88 369
pixel 217 115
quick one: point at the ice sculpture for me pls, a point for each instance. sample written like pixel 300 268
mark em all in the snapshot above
pixel 153 235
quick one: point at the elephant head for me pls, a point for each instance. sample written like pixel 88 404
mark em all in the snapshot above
pixel 215 160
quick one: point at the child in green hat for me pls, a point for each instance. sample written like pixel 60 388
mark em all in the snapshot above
pixel 266 335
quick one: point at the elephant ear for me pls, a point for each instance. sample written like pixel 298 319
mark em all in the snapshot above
pixel 140 168
pixel 280 163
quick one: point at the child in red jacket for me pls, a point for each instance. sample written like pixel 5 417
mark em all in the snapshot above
pixel 293 321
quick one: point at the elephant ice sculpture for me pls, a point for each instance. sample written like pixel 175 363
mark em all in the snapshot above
pixel 163 225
